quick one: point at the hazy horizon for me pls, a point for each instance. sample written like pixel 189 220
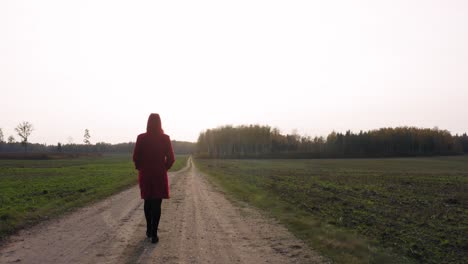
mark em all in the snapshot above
pixel 310 66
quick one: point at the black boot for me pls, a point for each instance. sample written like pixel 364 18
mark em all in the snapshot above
pixel 155 217
pixel 148 231
pixel 154 237
pixel 147 208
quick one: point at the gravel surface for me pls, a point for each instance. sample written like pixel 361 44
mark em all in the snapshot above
pixel 198 225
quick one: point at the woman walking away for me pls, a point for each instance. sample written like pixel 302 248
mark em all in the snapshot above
pixel 153 156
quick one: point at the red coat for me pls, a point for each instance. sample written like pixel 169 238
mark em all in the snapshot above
pixel 153 156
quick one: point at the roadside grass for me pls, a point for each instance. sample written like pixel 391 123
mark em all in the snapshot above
pixel 180 162
pixel 411 210
pixel 34 190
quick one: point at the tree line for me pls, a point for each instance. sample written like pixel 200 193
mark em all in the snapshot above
pixel 24 130
pixel 180 147
pixel 265 142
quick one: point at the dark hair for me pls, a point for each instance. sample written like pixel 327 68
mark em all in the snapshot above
pixel 154 124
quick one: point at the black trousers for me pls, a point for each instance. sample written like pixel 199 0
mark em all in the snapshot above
pixel 152 214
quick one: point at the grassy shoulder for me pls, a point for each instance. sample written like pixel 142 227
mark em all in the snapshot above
pixel 360 211
pixel 33 190
pixel 180 162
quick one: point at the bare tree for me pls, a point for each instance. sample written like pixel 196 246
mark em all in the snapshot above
pixel 87 136
pixel 1 135
pixel 24 129
pixel 11 139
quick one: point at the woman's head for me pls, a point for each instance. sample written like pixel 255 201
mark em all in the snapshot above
pixel 154 124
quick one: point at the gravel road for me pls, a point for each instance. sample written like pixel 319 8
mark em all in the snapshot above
pixel 198 225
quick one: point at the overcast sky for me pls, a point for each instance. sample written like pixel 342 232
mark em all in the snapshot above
pixel 314 66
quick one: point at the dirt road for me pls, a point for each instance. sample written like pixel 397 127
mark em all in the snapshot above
pixel 198 225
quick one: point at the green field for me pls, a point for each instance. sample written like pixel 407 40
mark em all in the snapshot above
pixel 411 210
pixel 32 190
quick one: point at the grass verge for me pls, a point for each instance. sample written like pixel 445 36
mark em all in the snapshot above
pixel 180 162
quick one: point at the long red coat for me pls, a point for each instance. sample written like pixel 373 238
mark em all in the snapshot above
pixel 153 156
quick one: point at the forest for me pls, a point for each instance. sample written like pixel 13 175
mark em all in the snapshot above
pixel 180 147
pixel 261 141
